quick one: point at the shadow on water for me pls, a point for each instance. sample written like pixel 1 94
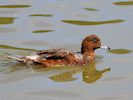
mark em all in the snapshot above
pixel 89 73
pixel 7 20
pixel 84 23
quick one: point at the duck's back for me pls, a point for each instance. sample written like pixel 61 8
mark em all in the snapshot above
pixel 52 57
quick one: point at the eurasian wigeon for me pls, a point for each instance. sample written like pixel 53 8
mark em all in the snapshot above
pixel 62 57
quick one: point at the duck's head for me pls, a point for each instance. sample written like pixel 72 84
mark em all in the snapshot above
pixel 91 43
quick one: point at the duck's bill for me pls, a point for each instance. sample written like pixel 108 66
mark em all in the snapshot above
pixel 105 47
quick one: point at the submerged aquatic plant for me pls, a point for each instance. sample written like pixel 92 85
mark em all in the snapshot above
pixel 78 22
pixel 14 6
pixel 41 15
pixel 124 3
pixel 120 51
pixel 91 9
pixel 42 31
pixel 7 20
pixel 16 48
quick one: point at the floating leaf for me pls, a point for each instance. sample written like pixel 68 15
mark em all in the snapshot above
pixel 43 15
pixel 124 3
pixel 78 22
pixel 16 48
pixel 91 9
pixel 120 51
pixel 42 31
pixel 14 6
pixel 7 20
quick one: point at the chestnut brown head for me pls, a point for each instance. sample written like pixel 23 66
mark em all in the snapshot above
pixel 91 43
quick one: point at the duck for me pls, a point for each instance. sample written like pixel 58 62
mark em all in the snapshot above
pixel 64 57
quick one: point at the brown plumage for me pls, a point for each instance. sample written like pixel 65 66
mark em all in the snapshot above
pixel 55 57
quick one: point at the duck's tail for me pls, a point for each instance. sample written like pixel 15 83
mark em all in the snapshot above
pixel 23 60
pixel 14 57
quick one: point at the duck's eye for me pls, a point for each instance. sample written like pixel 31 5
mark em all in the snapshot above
pixel 94 40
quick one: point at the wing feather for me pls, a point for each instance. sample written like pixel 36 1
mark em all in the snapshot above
pixel 53 53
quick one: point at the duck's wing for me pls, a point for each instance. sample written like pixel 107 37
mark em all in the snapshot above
pixel 50 51
pixel 53 53
pixel 42 54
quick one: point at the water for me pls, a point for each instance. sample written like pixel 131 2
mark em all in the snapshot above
pixel 26 26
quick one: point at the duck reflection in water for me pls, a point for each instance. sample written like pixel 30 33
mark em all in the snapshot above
pixel 89 74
